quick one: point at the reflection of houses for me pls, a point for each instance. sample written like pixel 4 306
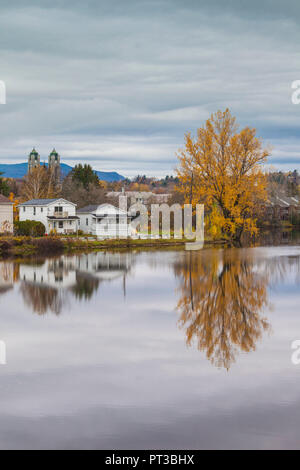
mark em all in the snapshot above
pixel 57 215
pixel 283 207
pixel 104 265
pixel 45 286
pixel 52 273
pixel 95 268
pixel 60 273
pixel 105 221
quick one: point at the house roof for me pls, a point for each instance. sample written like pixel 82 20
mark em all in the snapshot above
pixel 139 194
pixel 101 210
pixel 4 200
pixel 44 202
pixel 88 209
pixel 70 217
pixel 284 201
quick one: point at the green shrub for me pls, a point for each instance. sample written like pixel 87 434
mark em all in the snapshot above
pixel 6 245
pixel 29 228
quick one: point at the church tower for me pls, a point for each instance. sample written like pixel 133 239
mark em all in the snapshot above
pixel 54 164
pixel 33 160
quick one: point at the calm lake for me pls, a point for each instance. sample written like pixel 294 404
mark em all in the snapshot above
pixel 152 350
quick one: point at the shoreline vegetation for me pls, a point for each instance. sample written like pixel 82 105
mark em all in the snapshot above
pixel 27 246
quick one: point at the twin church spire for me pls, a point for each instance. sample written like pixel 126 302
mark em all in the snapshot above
pixel 34 160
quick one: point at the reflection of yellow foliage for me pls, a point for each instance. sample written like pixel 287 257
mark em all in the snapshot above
pixel 222 297
pixel 221 168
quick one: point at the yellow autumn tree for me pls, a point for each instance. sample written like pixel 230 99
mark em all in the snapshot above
pixel 222 169
pixel 15 202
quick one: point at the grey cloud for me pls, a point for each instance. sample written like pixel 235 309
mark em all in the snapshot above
pixel 147 70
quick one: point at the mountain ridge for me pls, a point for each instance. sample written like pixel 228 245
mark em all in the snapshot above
pixel 19 170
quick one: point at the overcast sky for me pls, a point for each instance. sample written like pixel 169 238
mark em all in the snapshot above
pixel 117 83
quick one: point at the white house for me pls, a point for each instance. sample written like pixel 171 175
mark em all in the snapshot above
pixel 6 215
pixel 56 214
pixel 105 221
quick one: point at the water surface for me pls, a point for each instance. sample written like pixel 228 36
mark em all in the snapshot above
pixel 151 350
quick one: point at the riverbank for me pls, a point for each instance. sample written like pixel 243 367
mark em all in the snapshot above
pixel 27 246
pixel 23 247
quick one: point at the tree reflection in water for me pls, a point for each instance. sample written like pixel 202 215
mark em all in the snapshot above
pixel 42 298
pixel 85 286
pixel 222 299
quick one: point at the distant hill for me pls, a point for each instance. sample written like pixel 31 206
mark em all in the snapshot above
pixel 18 170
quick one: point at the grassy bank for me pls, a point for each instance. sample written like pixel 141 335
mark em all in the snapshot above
pixel 27 246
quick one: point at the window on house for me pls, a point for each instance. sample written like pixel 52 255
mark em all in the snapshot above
pixel 61 224
pixel 24 209
pixel 41 209
pixel 34 211
pixel 58 209
pixel 87 221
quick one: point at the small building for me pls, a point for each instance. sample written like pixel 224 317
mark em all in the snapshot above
pixel 57 215
pixel 282 207
pixel 6 215
pixel 105 221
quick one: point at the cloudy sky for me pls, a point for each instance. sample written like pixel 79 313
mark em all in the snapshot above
pixel 117 83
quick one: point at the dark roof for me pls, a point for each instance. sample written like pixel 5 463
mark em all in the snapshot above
pixel 44 202
pixel 71 217
pixel 4 200
pixel 90 208
pixel 34 152
pixel 39 202
pixel 284 201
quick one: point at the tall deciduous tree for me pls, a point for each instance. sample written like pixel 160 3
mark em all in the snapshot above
pixel 74 191
pixel 39 183
pixel 222 168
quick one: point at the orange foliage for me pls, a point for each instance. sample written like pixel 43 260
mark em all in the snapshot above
pixel 15 205
pixel 222 169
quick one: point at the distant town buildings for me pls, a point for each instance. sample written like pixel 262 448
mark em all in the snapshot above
pixel 281 207
pixel 142 197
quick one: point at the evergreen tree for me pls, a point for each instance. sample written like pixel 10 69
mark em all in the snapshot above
pixel 4 188
pixel 85 175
